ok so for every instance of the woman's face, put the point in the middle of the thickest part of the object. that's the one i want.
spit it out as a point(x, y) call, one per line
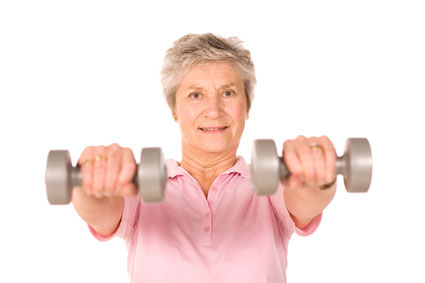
point(211, 107)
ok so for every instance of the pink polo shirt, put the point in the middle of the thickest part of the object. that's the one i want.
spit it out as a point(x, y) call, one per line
point(233, 236)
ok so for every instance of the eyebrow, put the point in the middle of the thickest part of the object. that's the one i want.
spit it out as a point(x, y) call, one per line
point(196, 87)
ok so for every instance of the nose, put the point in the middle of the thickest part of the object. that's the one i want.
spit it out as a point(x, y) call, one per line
point(214, 107)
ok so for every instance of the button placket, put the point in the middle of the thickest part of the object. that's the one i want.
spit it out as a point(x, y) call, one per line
point(207, 229)
point(207, 222)
point(207, 226)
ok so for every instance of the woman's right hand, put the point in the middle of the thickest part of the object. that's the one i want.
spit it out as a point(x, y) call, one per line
point(108, 171)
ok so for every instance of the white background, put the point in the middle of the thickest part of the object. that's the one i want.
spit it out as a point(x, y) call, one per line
point(79, 73)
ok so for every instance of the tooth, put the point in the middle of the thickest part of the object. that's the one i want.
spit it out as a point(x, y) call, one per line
point(214, 129)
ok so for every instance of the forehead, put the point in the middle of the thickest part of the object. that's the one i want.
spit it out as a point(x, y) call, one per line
point(207, 73)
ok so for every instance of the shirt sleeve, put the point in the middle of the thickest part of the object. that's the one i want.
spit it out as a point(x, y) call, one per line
point(128, 221)
point(284, 219)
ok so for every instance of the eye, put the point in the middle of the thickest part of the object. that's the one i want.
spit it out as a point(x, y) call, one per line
point(228, 92)
point(195, 95)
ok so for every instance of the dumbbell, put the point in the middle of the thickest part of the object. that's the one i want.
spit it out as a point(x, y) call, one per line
point(267, 168)
point(61, 177)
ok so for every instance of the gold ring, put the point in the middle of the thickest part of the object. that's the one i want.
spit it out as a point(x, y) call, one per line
point(315, 146)
point(327, 186)
point(99, 157)
point(87, 162)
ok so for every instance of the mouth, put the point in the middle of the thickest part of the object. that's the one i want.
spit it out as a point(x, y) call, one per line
point(213, 129)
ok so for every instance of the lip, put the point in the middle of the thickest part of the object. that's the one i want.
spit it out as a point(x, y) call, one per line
point(213, 130)
point(217, 127)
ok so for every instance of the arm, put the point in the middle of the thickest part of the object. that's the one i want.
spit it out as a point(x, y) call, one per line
point(306, 203)
point(103, 214)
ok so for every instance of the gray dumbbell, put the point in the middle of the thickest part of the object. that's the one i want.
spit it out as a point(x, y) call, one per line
point(267, 168)
point(61, 177)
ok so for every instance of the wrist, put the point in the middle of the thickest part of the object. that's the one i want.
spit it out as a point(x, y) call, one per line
point(301, 223)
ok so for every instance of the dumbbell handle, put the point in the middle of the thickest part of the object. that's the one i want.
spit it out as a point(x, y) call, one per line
point(77, 177)
point(284, 171)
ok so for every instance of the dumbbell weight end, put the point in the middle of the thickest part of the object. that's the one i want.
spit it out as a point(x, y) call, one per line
point(61, 177)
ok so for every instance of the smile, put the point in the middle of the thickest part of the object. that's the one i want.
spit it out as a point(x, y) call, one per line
point(213, 129)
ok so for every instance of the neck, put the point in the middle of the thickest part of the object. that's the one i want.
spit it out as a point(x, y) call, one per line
point(206, 165)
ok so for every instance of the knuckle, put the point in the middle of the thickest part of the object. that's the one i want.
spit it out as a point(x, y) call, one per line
point(113, 151)
point(288, 145)
point(86, 153)
point(326, 141)
point(127, 150)
point(113, 156)
point(88, 149)
point(114, 146)
point(101, 148)
point(132, 165)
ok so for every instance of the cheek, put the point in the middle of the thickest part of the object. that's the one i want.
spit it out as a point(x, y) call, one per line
point(238, 113)
point(187, 117)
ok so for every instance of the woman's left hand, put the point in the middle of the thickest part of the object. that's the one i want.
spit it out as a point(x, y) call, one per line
point(312, 163)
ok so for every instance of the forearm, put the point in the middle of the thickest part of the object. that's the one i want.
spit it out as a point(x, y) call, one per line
point(103, 214)
point(304, 204)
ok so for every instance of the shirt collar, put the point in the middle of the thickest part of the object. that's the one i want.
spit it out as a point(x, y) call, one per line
point(241, 167)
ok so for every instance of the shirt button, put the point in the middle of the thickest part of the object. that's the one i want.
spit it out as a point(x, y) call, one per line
point(207, 215)
point(207, 229)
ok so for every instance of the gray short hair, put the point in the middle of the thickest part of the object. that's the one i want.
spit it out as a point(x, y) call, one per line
point(195, 48)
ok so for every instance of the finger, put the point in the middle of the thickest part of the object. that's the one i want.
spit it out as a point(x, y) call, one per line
point(86, 168)
point(318, 161)
point(294, 181)
point(129, 190)
point(291, 158)
point(330, 158)
point(306, 158)
point(99, 169)
point(112, 168)
point(128, 168)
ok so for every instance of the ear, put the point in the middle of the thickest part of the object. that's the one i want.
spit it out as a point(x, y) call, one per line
point(174, 116)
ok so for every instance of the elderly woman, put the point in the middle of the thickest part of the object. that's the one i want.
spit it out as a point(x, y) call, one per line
point(210, 227)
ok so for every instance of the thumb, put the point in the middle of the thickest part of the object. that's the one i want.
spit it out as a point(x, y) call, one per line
point(294, 181)
point(129, 190)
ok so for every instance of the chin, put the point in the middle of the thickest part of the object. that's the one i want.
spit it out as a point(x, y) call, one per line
point(214, 147)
